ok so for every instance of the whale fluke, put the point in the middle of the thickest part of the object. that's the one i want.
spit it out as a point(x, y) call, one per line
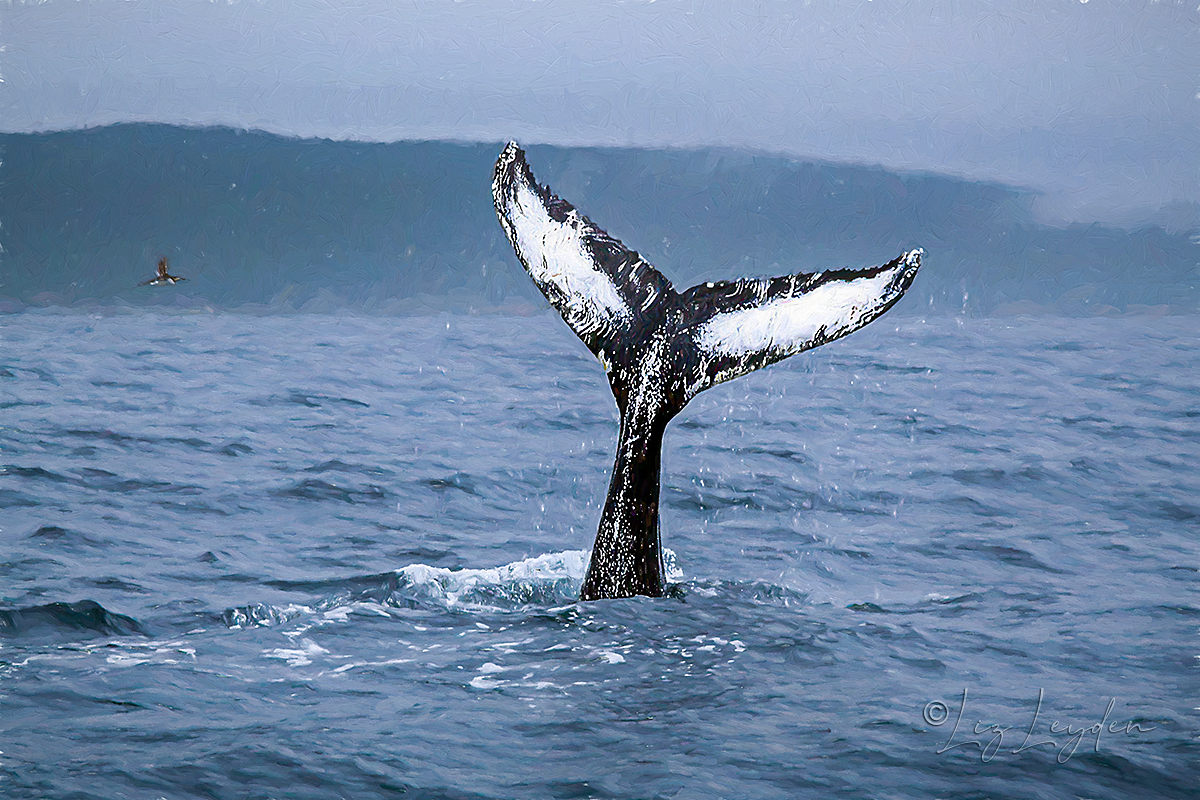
point(661, 348)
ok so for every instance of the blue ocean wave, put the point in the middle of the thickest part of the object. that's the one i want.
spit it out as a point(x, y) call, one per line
point(84, 616)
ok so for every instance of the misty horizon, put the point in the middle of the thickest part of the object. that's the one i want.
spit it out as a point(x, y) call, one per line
point(254, 220)
point(1094, 107)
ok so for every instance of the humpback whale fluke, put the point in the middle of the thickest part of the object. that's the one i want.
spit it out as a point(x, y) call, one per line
point(661, 348)
point(162, 277)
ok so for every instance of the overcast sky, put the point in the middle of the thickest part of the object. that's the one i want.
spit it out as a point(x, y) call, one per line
point(1097, 103)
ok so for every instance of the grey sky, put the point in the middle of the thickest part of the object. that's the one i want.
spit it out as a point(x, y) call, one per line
point(1096, 103)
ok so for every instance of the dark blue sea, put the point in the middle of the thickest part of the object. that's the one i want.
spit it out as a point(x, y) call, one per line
point(318, 556)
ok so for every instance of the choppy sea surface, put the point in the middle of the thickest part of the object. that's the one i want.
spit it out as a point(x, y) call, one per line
point(337, 556)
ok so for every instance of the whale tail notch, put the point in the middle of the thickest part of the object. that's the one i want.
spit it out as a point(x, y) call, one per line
point(661, 348)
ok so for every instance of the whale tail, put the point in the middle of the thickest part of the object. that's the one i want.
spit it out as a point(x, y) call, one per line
point(660, 348)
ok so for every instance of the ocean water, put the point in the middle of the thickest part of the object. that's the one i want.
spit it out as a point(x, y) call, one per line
point(314, 556)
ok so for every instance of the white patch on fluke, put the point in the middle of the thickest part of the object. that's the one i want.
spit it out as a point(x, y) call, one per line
point(790, 323)
point(554, 253)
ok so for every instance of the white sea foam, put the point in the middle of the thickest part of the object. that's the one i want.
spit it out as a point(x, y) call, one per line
point(521, 581)
point(548, 577)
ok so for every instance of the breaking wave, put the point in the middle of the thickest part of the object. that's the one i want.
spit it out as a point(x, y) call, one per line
point(547, 580)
